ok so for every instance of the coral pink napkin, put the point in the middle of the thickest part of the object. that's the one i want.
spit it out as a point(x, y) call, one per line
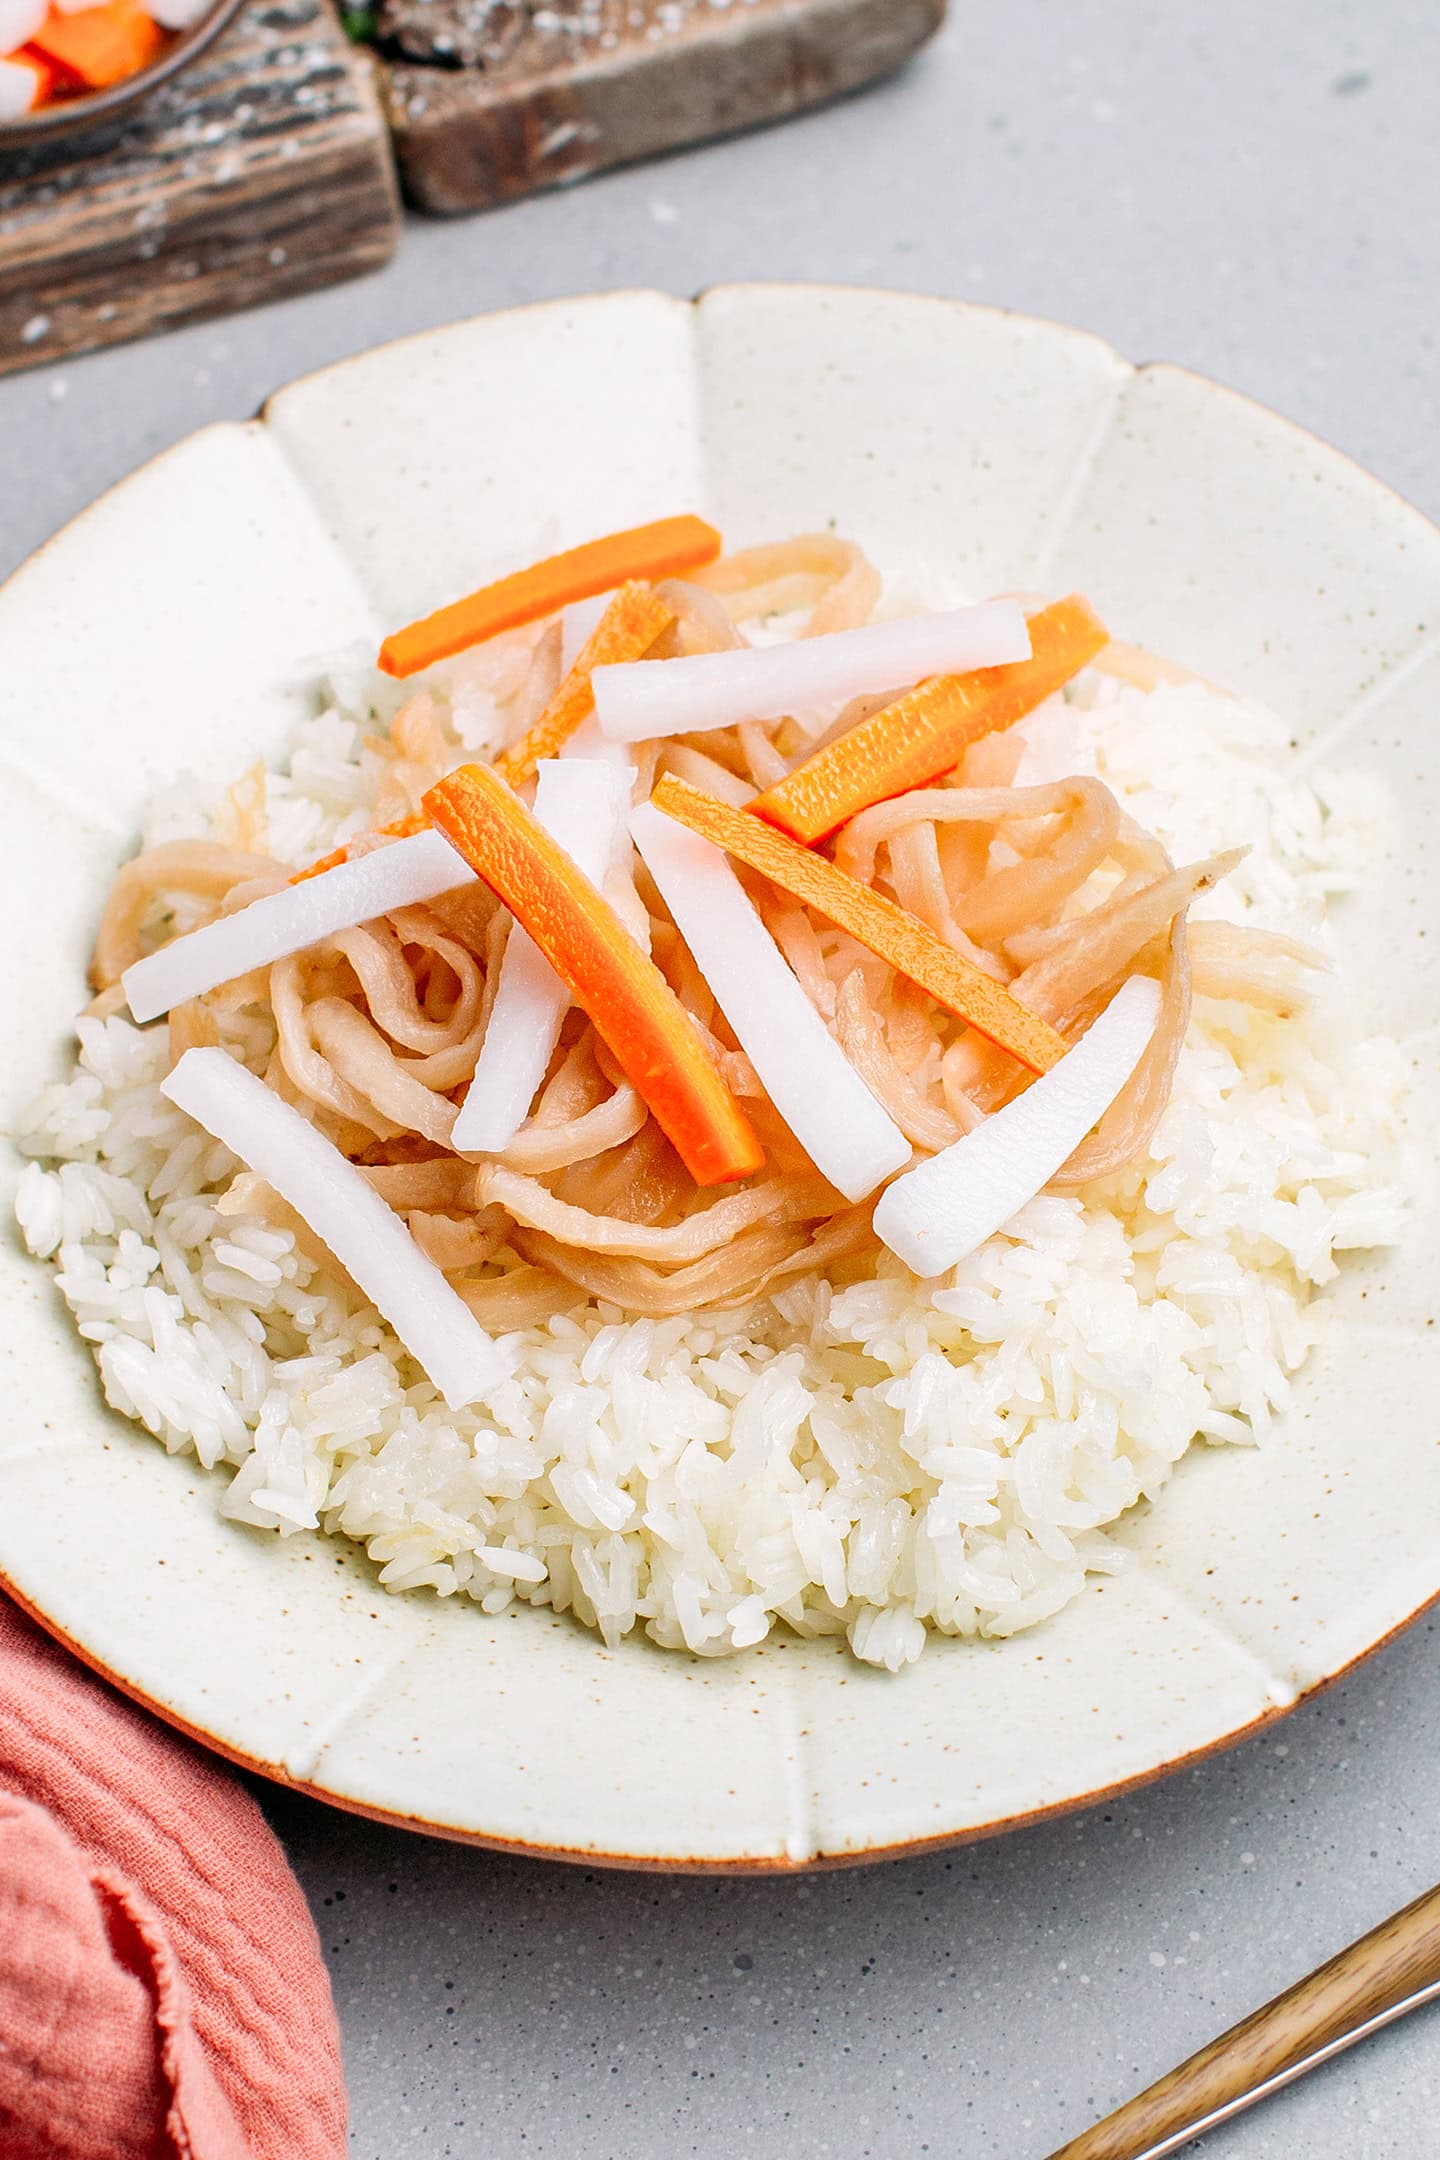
point(162, 1995)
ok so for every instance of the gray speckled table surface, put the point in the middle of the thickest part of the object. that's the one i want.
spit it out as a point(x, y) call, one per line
point(1253, 190)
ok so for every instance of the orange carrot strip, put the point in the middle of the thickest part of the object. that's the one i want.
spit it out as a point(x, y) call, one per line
point(899, 938)
point(100, 45)
point(605, 971)
point(635, 618)
point(398, 829)
point(667, 548)
point(926, 733)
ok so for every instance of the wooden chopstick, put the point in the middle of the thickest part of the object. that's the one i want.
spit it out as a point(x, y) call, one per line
point(1393, 1969)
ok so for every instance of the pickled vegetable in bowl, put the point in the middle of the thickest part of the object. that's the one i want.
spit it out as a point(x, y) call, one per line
point(54, 52)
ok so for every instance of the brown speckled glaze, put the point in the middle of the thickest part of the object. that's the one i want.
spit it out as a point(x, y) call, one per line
point(985, 451)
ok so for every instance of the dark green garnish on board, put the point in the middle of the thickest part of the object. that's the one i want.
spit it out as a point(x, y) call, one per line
point(358, 23)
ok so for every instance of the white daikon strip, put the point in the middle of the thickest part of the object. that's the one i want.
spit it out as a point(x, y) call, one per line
point(19, 20)
point(576, 624)
point(618, 883)
point(400, 874)
point(804, 1071)
point(582, 805)
point(590, 741)
point(640, 699)
point(366, 1237)
point(177, 14)
point(19, 89)
point(946, 1207)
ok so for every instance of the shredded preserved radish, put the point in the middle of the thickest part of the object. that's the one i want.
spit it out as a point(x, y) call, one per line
point(1255, 967)
point(820, 572)
point(1100, 944)
point(863, 1034)
point(754, 1262)
point(374, 1248)
point(199, 869)
point(1127, 1125)
point(1075, 824)
point(774, 1203)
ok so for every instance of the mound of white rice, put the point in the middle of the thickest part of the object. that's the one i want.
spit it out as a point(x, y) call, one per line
point(874, 1462)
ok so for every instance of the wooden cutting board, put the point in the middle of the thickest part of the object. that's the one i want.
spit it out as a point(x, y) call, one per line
point(549, 93)
point(264, 168)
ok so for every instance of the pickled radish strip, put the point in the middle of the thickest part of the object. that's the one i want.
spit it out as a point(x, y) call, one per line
point(400, 875)
point(330, 1195)
point(635, 702)
point(25, 82)
point(177, 14)
point(582, 805)
point(19, 20)
point(944, 1208)
point(802, 1068)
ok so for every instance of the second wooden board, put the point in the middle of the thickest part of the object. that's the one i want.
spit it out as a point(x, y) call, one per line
point(264, 169)
point(490, 99)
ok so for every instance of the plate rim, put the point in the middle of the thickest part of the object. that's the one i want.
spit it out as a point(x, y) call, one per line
point(778, 1862)
point(950, 303)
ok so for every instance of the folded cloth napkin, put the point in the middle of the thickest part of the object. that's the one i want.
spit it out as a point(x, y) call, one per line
point(162, 1994)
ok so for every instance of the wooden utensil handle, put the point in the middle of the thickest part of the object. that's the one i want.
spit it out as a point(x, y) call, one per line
point(1392, 1961)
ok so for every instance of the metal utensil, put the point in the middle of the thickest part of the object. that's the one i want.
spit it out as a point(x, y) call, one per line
point(1386, 1974)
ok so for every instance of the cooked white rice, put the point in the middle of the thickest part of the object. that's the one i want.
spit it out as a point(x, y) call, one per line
point(875, 1462)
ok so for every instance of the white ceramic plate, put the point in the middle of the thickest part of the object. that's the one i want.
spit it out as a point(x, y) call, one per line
point(172, 626)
